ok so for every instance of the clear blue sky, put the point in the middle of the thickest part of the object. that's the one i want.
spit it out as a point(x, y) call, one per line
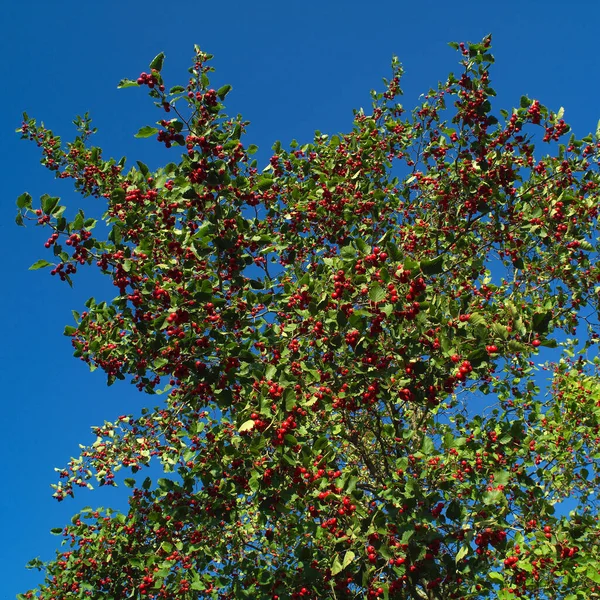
point(295, 67)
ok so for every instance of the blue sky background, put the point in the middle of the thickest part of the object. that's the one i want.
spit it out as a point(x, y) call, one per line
point(295, 67)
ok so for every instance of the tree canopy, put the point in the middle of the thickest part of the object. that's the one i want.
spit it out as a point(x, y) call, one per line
point(340, 351)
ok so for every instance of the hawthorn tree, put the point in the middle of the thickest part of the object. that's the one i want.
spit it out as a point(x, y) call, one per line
point(346, 344)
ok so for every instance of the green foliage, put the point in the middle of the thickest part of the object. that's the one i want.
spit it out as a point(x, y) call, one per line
point(342, 353)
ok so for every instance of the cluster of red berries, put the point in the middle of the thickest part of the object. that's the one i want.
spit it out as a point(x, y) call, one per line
point(62, 272)
point(417, 287)
point(169, 134)
point(352, 338)
point(491, 537)
point(209, 98)
point(511, 561)
point(534, 111)
point(259, 424)
point(340, 284)
point(464, 370)
point(51, 240)
point(151, 80)
point(42, 220)
point(553, 132)
point(287, 425)
point(377, 257)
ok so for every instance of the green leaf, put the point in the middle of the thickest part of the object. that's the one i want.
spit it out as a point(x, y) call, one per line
point(157, 62)
point(129, 482)
point(377, 293)
point(463, 551)
point(264, 183)
point(549, 343)
point(518, 263)
point(223, 91)
point(428, 446)
point(348, 253)
point(39, 264)
point(177, 89)
point(24, 201)
point(501, 477)
point(125, 83)
point(496, 577)
point(433, 266)
point(56, 530)
point(350, 485)
point(541, 321)
point(348, 558)
point(49, 203)
point(592, 573)
point(500, 330)
point(146, 132)
point(477, 319)
point(144, 170)
point(251, 149)
point(336, 567)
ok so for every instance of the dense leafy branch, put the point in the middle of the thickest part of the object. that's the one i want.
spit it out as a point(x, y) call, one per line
point(320, 337)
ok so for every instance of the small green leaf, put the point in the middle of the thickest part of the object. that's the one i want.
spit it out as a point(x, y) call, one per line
point(177, 89)
point(129, 482)
point(56, 530)
point(77, 221)
point(157, 62)
point(144, 170)
point(336, 567)
point(264, 183)
point(49, 203)
point(146, 132)
point(223, 91)
point(377, 293)
point(495, 576)
point(477, 319)
point(464, 550)
point(24, 201)
point(251, 149)
point(592, 573)
point(518, 263)
point(541, 321)
point(348, 253)
point(125, 83)
point(40, 264)
point(348, 558)
point(433, 266)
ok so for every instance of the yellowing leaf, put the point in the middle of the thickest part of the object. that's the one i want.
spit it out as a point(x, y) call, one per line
point(247, 426)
